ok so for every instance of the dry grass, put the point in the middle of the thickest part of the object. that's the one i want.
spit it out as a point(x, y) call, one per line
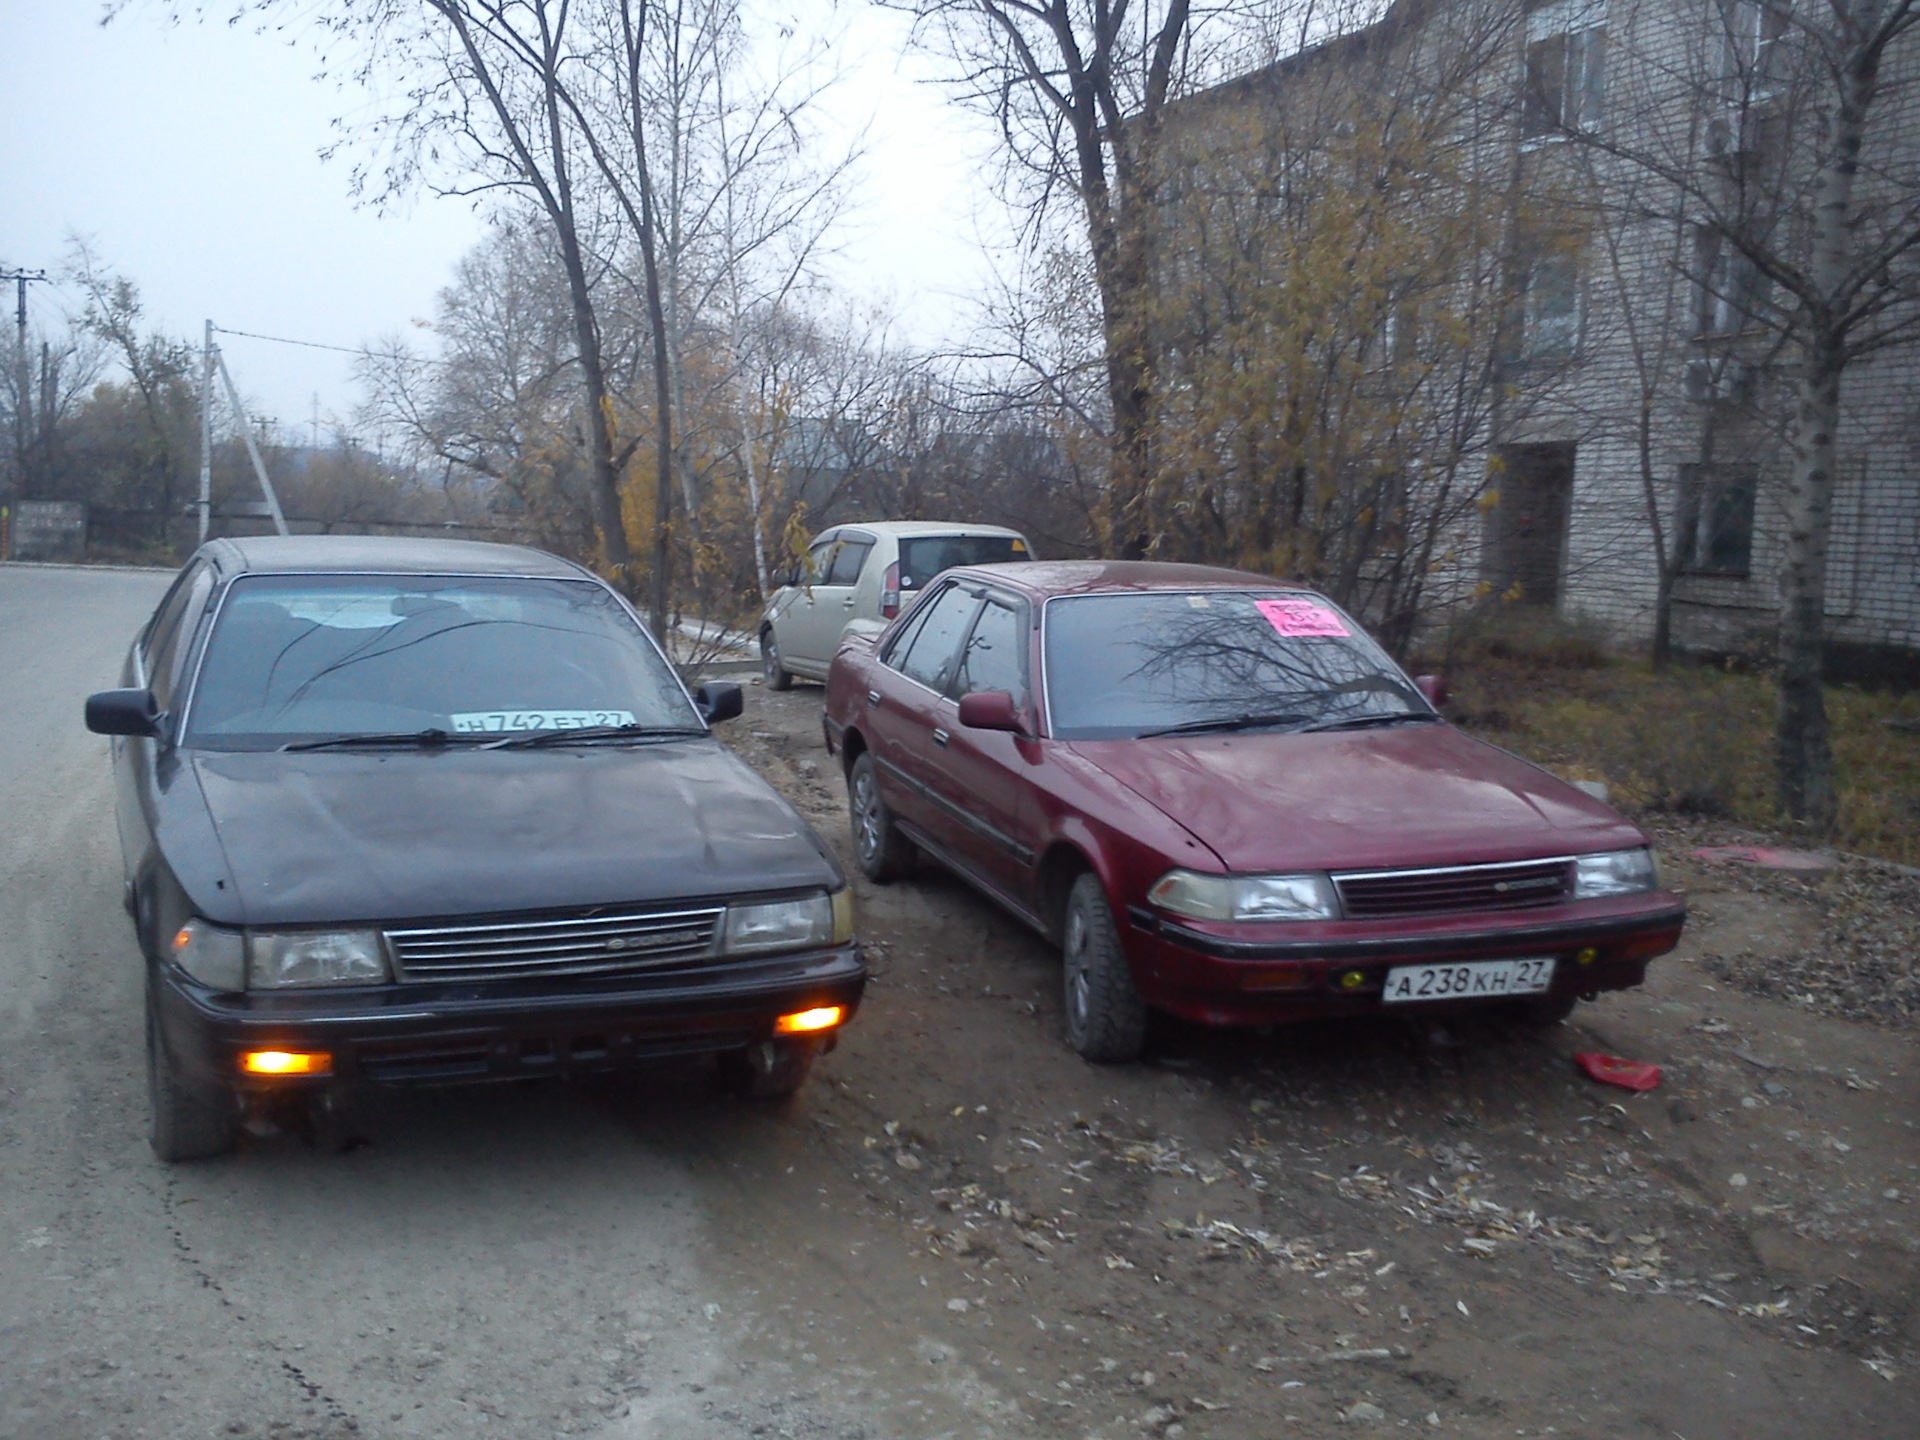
point(1690, 740)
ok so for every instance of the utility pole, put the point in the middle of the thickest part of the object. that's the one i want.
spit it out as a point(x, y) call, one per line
point(205, 505)
point(23, 378)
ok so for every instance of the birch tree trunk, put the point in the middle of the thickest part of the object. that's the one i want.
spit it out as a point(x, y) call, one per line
point(1802, 752)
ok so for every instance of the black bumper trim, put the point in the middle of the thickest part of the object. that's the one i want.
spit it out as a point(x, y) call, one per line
point(1556, 936)
point(451, 1038)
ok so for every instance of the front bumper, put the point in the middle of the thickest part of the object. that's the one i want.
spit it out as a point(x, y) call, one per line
point(1228, 975)
point(465, 1034)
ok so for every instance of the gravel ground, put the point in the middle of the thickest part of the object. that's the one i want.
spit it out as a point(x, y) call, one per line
point(1864, 961)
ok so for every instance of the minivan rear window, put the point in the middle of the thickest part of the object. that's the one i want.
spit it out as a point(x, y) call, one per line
point(925, 556)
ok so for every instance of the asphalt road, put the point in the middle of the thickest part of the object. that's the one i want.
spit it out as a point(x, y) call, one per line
point(519, 1261)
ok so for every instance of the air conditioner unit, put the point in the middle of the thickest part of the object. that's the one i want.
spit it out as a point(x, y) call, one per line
point(1727, 380)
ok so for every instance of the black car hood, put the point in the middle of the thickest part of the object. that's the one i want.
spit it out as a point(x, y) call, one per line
point(341, 836)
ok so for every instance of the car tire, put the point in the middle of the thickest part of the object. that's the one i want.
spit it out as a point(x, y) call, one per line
point(777, 675)
point(883, 852)
point(186, 1121)
point(770, 1070)
point(1106, 1018)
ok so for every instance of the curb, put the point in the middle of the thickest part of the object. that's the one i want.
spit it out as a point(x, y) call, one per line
point(96, 569)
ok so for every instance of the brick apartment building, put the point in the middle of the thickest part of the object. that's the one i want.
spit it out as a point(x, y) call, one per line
point(1619, 288)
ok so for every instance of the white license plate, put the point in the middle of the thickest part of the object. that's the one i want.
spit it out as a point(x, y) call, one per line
point(1473, 980)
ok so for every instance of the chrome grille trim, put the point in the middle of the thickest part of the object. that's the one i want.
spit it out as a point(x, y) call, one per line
point(1509, 885)
point(594, 944)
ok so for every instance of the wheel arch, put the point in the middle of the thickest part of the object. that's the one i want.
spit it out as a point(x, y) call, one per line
point(852, 746)
point(1063, 862)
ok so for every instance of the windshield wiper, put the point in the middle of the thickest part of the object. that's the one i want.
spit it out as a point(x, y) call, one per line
point(432, 735)
point(539, 738)
point(1368, 722)
point(1220, 723)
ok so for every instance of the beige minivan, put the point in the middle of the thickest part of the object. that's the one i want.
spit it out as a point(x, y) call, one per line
point(866, 572)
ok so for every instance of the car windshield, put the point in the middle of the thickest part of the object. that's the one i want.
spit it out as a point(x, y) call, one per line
point(1141, 664)
point(925, 556)
point(307, 657)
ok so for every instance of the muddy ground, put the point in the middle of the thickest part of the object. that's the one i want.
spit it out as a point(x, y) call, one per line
point(1325, 1229)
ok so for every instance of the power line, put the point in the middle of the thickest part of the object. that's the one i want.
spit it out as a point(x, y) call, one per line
point(363, 351)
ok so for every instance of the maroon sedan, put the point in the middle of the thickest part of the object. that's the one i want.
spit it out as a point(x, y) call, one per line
point(1225, 802)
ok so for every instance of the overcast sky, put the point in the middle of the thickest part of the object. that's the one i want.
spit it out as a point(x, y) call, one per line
point(189, 156)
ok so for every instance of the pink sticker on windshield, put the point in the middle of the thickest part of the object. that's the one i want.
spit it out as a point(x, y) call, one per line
point(1298, 619)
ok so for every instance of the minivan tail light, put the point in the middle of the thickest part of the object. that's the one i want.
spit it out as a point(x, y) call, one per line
point(890, 592)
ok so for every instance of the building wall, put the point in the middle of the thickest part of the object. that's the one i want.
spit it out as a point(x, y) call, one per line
point(1873, 595)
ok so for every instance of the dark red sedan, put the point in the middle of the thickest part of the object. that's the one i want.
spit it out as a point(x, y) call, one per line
point(1225, 802)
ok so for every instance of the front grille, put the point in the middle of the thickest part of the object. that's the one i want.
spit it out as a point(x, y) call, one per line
point(592, 944)
point(1386, 894)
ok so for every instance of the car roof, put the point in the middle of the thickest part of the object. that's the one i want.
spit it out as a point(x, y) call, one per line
point(912, 529)
point(382, 555)
point(1045, 579)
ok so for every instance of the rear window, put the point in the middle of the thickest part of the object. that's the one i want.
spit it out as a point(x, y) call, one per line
point(924, 557)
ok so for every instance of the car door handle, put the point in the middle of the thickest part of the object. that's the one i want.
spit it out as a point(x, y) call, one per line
point(873, 699)
point(847, 604)
point(940, 737)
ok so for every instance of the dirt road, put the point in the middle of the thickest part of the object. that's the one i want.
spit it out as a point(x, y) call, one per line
point(1258, 1235)
point(959, 1229)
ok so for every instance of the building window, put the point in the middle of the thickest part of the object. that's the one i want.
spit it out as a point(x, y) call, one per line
point(1552, 314)
point(1755, 32)
point(1729, 292)
point(1716, 518)
point(1566, 68)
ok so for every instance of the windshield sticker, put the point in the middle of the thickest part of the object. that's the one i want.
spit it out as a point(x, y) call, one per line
point(1301, 619)
point(1019, 547)
point(511, 722)
point(1199, 602)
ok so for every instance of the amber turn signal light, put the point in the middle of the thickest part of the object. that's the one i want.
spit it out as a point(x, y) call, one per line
point(802, 1022)
point(286, 1062)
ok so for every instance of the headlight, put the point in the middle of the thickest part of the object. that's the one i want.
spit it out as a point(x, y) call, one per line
point(780, 925)
point(1613, 872)
point(1245, 897)
point(339, 957)
point(211, 955)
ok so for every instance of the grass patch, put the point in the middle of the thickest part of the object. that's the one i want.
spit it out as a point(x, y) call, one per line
point(1692, 741)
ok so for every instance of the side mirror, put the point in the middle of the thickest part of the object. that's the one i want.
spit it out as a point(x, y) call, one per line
point(123, 712)
point(1434, 687)
point(989, 710)
point(718, 700)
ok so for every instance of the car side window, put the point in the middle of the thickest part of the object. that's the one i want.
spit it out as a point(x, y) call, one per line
point(931, 655)
point(896, 648)
point(995, 654)
point(813, 571)
point(847, 562)
point(173, 640)
point(166, 618)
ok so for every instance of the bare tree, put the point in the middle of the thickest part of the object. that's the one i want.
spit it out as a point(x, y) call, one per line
point(1078, 90)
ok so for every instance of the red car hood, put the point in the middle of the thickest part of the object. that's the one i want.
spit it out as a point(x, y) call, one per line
point(1410, 796)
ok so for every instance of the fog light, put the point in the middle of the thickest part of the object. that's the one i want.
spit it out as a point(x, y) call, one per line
point(1352, 980)
point(286, 1062)
point(802, 1022)
point(1587, 956)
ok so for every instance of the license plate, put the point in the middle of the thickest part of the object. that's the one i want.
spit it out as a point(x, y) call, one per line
point(1474, 980)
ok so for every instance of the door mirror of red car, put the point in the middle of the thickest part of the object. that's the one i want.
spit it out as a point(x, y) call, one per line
point(718, 700)
point(989, 710)
point(123, 712)
point(1434, 687)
